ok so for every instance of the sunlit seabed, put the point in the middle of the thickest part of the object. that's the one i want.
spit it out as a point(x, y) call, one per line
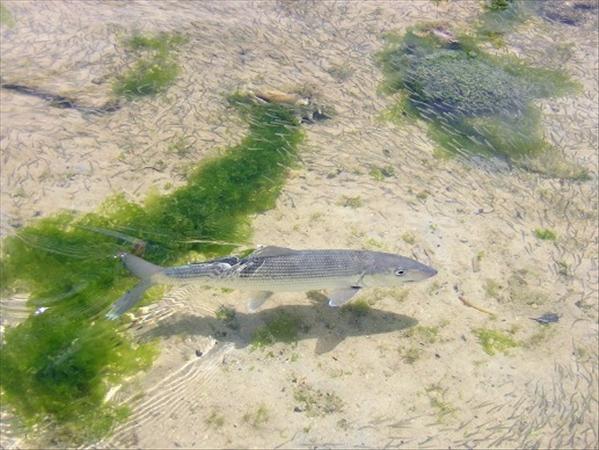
point(191, 114)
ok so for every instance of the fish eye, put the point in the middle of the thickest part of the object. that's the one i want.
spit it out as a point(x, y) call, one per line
point(400, 272)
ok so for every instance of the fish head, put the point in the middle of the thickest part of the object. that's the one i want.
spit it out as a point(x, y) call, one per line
point(394, 270)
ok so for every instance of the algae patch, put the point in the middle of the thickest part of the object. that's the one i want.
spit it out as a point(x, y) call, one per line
point(502, 16)
point(215, 420)
point(282, 328)
point(228, 316)
point(6, 17)
point(473, 102)
point(437, 398)
point(56, 368)
point(493, 341)
point(351, 202)
point(155, 69)
point(545, 234)
point(258, 417)
point(358, 308)
point(316, 402)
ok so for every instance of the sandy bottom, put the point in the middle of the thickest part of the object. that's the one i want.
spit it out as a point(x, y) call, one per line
point(377, 380)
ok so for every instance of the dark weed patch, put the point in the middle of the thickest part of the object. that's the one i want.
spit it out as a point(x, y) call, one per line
point(475, 103)
point(57, 367)
point(156, 67)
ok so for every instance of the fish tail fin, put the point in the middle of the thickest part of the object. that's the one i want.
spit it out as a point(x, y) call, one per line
point(141, 269)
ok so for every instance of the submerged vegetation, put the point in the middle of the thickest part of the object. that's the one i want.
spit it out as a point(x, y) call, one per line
point(473, 102)
point(545, 234)
point(380, 173)
point(493, 341)
point(315, 402)
point(501, 16)
point(258, 417)
point(57, 366)
point(358, 308)
point(156, 67)
point(6, 17)
point(282, 328)
point(437, 398)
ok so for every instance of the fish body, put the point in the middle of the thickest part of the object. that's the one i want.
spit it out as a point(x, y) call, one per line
point(276, 269)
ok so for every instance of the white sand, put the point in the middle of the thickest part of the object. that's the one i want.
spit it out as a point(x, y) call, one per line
point(543, 393)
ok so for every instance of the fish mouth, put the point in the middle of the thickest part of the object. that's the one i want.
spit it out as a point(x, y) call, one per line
point(428, 272)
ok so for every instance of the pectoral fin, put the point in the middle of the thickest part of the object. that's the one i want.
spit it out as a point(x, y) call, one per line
point(341, 296)
point(258, 300)
point(127, 301)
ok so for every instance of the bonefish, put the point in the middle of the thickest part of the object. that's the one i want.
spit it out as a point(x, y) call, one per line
point(275, 269)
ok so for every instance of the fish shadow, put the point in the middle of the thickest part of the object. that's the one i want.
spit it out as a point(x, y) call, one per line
point(329, 326)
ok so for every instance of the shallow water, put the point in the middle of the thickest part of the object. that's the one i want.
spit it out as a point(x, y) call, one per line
point(413, 367)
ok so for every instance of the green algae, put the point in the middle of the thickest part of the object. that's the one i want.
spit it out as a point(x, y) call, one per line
point(503, 16)
point(282, 328)
point(161, 42)
point(427, 335)
point(411, 355)
point(358, 308)
point(315, 402)
point(499, 5)
point(473, 102)
point(351, 202)
point(409, 238)
point(545, 234)
point(500, 17)
point(6, 17)
point(57, 367)
point(493, 341)
point(215, 420)
point(258, 417)
point(155, 69)
point(437, 398)
point(380, 173)
point(228, 316)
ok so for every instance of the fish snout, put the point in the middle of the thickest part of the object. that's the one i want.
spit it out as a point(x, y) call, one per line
point(424, 272)
point(430, 272)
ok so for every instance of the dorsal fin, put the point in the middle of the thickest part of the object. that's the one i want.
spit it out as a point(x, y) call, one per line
point(271, 250)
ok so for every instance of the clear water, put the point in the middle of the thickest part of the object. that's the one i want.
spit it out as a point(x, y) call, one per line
point(461, 134)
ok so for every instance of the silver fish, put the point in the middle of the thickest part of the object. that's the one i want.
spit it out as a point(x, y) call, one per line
point(276, 269)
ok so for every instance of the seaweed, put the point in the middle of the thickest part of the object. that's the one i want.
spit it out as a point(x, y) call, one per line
point(257, 418)
point(155, 69)
point(56, 367)
point(282, 328)
point(500, 17)
point(473, 102)
point(315, 402)
point(437, 398)
point(380, 173)
point(215, 420)
point(545, 234)
point(6, 17)
point(493, 341)
point(358, 308)
point(351, 202)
